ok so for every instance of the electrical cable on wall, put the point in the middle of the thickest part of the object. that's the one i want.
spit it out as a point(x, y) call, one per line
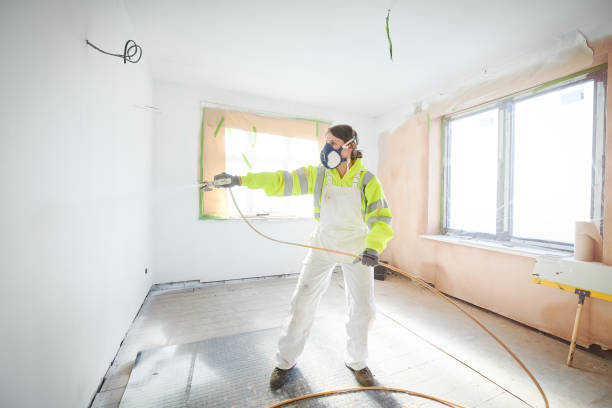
point(130, 51)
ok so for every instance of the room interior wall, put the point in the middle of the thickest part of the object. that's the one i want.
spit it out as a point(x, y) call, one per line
point(186, 248)
point(410, 171)
point(75, 207)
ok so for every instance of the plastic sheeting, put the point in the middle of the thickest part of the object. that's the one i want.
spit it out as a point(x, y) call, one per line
point(213, 204)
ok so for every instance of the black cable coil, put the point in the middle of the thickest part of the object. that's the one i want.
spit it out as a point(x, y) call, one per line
point(130, 51)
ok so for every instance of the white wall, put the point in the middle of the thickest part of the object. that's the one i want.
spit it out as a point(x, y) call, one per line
point(186, 248)
point(75, 179)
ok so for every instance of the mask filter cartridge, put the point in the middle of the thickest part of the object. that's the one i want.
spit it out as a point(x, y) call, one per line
point(330, 157)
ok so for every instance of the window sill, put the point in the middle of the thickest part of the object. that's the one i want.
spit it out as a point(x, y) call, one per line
point(525, 251)
point(250, 218)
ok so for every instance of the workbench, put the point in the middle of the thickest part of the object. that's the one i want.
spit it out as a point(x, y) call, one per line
point(585, 279)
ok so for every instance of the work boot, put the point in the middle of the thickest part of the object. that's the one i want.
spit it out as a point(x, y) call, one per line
point(363, 376)
point(279, 377)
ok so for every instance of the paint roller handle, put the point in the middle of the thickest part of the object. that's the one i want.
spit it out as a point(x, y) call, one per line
point(225, 180)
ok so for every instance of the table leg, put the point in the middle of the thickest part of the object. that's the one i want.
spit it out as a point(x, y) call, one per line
point(582, 294)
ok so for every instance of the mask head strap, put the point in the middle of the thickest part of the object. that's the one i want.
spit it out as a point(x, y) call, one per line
point(353, 139)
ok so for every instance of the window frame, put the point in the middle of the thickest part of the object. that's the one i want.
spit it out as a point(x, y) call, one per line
point(505, 167)
point(264, 214)
point(212, 205)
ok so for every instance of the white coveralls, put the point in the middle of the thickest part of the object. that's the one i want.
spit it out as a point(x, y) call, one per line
point(341, 227)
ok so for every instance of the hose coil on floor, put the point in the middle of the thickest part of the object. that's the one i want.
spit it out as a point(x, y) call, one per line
point(425, 285)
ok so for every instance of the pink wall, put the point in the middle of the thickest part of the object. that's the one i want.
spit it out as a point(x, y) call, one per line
point(410, 172)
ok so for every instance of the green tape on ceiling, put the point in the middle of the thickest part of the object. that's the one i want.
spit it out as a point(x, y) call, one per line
point(254, 136)
point(219, 125)
point(317, 129)
point(247, 161)
point(389, 36)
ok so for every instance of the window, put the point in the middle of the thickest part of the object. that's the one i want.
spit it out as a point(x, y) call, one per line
point(524, 169)
point(257, 152)
point(474, 183)
point(239, 142)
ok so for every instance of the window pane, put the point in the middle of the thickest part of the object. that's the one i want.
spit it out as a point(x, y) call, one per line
point(473, 172)
point(552, 163)
point(267, 153)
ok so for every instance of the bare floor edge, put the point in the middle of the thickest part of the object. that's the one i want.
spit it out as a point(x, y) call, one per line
point(191, 315)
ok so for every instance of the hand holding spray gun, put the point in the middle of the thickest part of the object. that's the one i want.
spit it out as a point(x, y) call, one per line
point(222, 180)
point(370, 258)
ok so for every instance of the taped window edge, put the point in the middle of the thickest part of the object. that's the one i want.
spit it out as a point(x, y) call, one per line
point(531, 91)
point(212, 141)
point(597, 73)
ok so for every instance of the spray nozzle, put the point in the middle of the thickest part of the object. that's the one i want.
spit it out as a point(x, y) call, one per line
point(206, 185)
point(217, 183)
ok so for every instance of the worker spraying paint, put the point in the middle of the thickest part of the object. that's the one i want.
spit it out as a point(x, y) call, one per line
point(331, 159)
point(353, 216)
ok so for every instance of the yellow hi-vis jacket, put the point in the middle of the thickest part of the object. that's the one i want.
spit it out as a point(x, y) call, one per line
point(311, 179)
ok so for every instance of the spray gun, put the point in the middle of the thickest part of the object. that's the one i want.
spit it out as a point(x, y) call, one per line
point(222, 180)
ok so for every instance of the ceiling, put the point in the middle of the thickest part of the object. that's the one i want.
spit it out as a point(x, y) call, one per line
point(334, 54)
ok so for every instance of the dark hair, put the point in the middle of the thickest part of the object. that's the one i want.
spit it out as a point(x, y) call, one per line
point(346, 133)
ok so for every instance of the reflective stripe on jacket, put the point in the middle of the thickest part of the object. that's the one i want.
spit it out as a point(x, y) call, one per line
point(311, 179)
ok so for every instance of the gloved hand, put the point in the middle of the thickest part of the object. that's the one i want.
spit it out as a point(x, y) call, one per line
point(369, 257)
point(235, 180)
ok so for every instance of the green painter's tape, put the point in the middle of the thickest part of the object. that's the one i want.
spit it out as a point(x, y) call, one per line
point(428, 123)
point(201, 203)
point(212, 217)
point(530, 90)
point(443, 152)
point(202, 146)
point(389, 36)
point(246, 161)
point(567, 77)
point(219, 125)
point(203, 216)
point(254, 137)
point(317, 129)
point(312, 120)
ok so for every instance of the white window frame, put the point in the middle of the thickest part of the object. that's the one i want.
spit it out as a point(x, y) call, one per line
point(506, 106)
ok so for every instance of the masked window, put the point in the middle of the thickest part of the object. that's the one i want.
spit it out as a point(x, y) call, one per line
point(246, 152)
point(240, 142)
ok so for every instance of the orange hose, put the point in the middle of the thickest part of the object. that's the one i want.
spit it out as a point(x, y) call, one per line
point(422, 283)
point(376, 388)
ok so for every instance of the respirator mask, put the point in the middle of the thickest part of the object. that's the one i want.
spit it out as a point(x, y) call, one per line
point(331, 158)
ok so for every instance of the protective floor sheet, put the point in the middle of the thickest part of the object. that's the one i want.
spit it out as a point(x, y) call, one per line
point(234, 372)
